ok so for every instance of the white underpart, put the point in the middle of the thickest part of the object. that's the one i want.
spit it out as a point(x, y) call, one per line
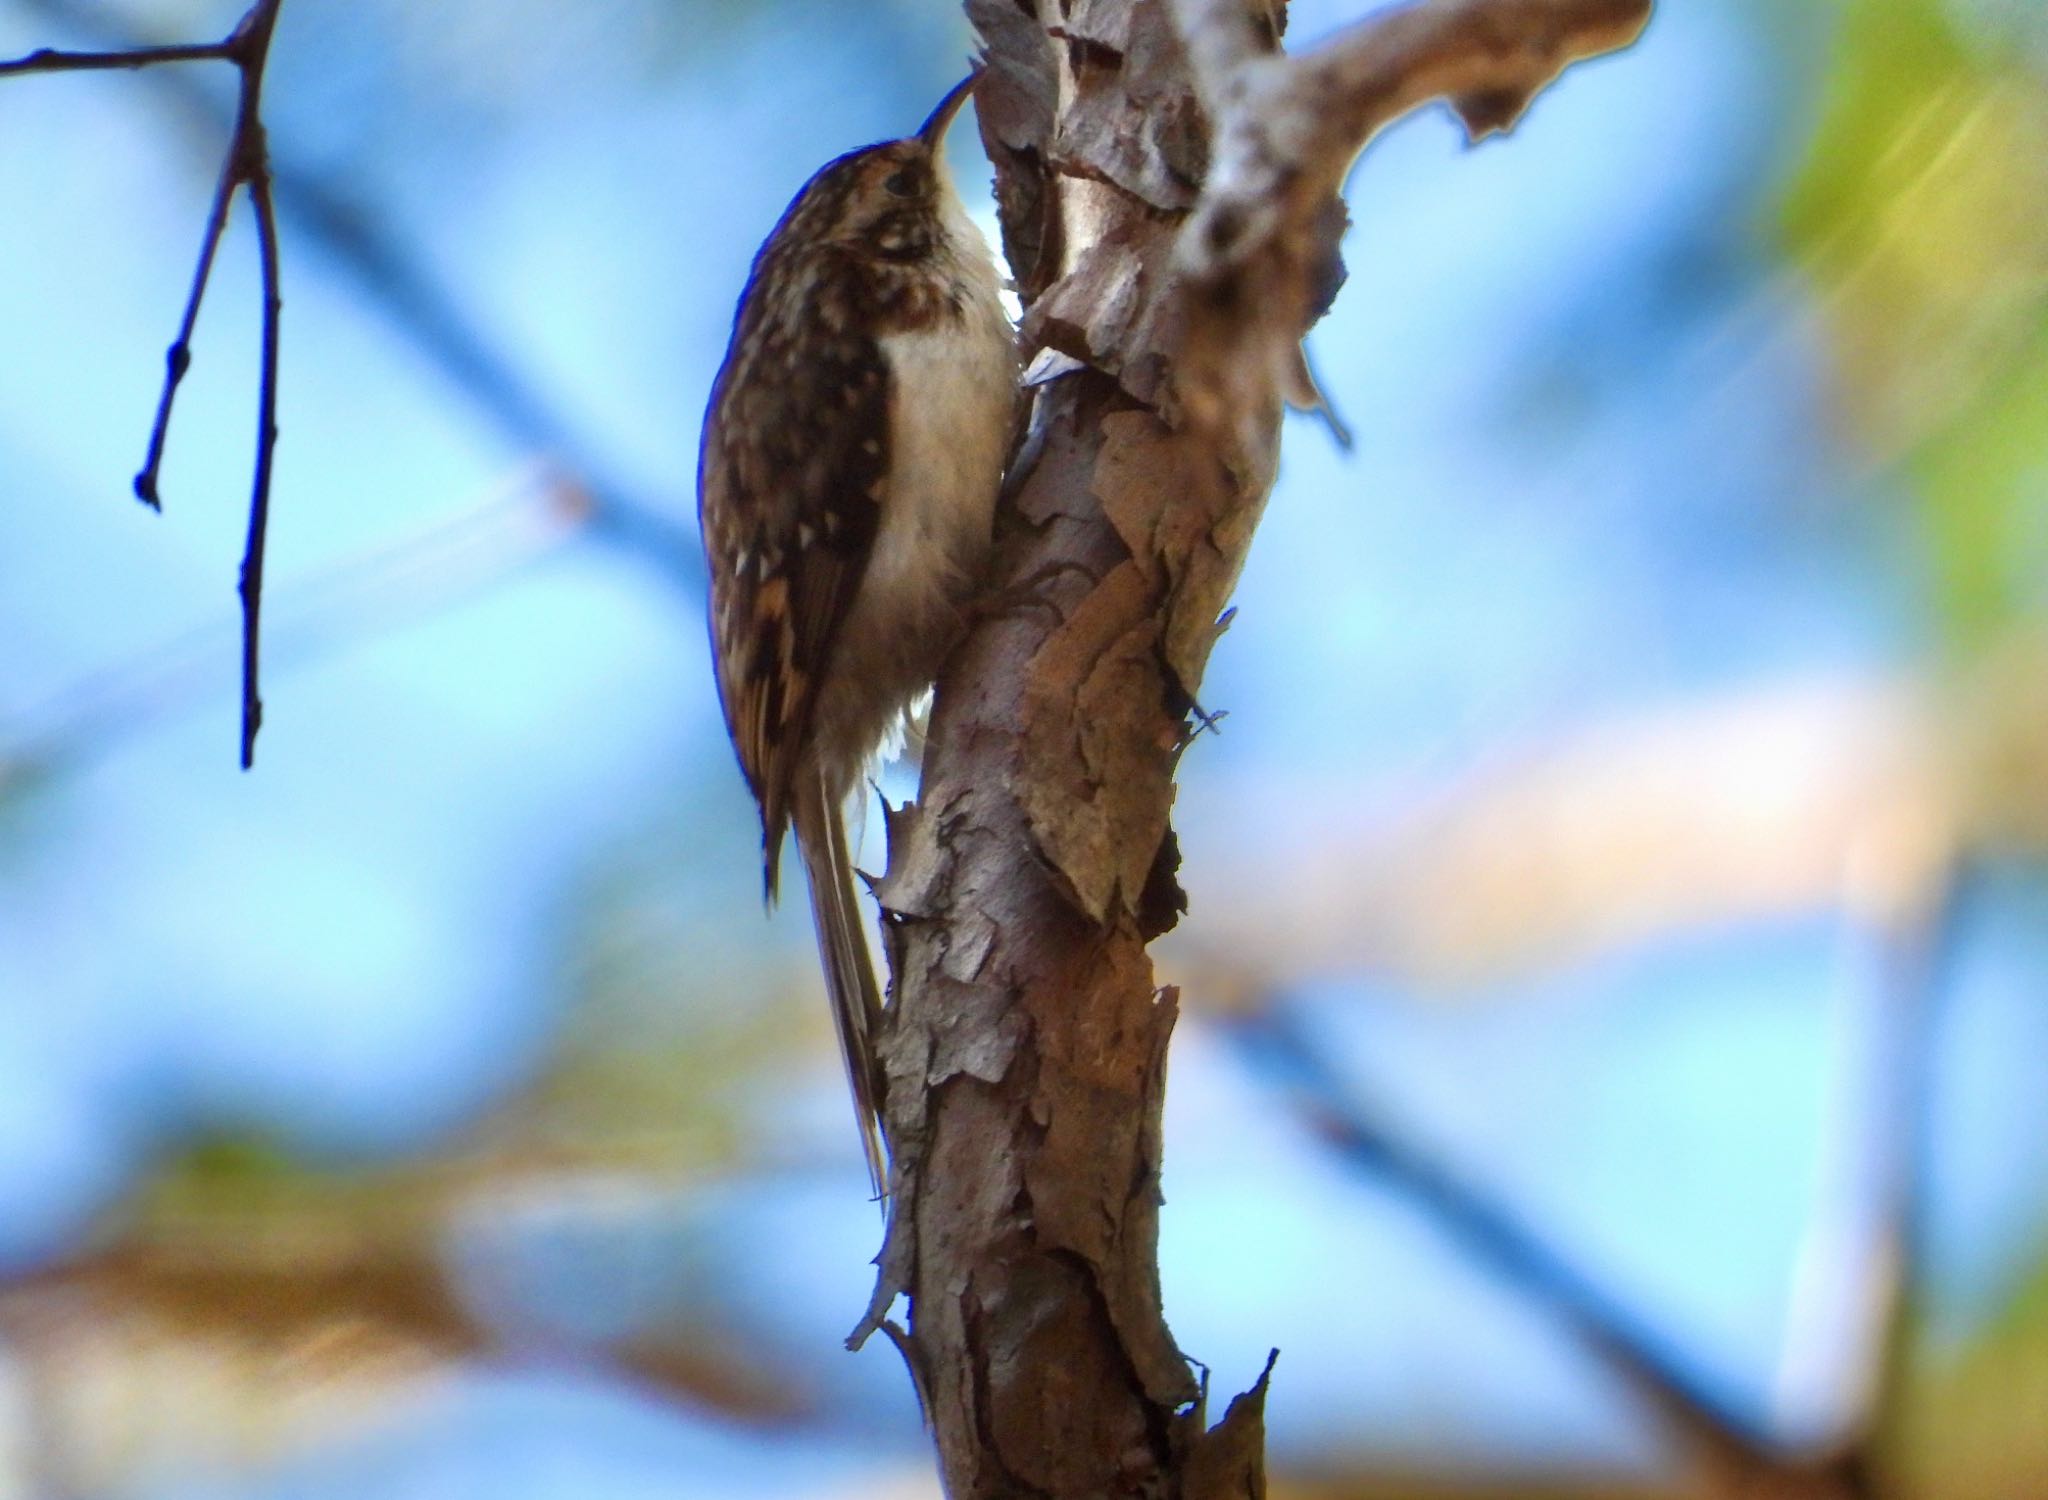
point(947, 433)
point(949, 417)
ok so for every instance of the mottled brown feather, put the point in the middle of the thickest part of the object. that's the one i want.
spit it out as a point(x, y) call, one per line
point(796, 448)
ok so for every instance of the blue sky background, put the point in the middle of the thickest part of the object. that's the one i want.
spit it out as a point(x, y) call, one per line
point(1597, 470)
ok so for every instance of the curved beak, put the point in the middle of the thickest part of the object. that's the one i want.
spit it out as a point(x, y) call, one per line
point(933, 131)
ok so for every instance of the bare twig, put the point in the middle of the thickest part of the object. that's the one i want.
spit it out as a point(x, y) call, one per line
point(246, 165)
point(266, 448)
point(57, 60)
point(179, 358)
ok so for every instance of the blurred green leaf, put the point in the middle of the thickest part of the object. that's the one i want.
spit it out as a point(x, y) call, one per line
point(1984, 482)
point(1976, 1424)
point(228, 1161)
point(1920, 216)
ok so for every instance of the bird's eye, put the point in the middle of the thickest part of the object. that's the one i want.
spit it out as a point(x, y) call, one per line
point(901, 183)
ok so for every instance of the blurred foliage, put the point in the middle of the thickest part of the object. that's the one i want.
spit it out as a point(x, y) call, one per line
point(672, 1032)
point(1997, 715)
point(1921, 214)
point(1976, 1420)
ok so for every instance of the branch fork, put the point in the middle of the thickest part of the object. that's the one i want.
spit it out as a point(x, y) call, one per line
point(1260, 249)
point(246, 165)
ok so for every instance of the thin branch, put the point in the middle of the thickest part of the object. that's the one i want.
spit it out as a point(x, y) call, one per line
point(266, 448)
point(249, 161)
point(1481, 1225)
point(179, 358)
point(57, 60)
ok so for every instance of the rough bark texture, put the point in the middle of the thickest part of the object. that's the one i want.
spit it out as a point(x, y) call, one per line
point(1025, 1052)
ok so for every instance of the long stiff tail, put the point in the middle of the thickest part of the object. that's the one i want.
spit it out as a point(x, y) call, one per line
point(843, 951)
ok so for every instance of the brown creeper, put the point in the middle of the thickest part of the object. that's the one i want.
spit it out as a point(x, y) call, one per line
point(846, 489)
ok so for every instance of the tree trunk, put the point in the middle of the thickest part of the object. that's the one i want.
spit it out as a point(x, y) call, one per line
point(1167, 183)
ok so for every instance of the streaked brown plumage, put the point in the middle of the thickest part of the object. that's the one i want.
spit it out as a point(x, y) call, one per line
point(846, 489)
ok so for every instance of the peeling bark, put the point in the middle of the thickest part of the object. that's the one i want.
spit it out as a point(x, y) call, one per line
point(1025, 1052)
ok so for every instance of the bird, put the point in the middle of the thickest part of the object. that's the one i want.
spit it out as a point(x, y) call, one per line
point(851, 457)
